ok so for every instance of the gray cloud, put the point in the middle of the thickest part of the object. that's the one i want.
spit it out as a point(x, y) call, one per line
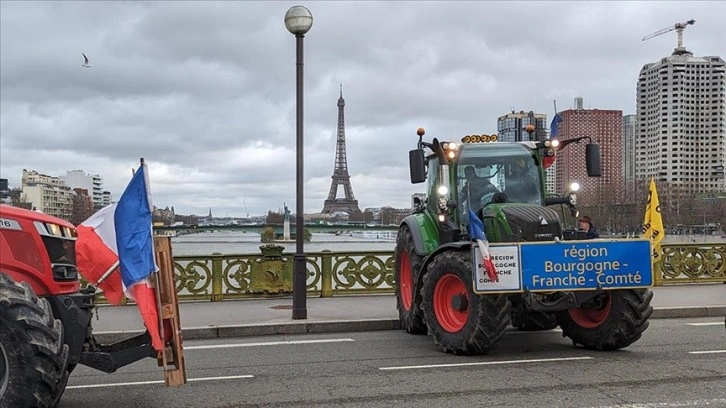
point(205, 91)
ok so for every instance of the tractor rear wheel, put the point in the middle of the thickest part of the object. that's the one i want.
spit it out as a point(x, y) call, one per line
point(406, 266)
point(33, 358)
point(459, 320)
point(613, 320)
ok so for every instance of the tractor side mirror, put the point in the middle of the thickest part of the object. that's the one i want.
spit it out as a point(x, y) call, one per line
point(592, 159)
point(417, 165)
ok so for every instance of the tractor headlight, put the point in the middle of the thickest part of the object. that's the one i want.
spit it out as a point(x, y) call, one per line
point(573, 199)
point(443, 190)
point(574, 186)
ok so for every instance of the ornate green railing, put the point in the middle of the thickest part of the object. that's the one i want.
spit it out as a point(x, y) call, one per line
point(217, 277)
point(691, 263)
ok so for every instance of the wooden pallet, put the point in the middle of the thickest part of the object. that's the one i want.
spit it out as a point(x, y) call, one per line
point(172, 358)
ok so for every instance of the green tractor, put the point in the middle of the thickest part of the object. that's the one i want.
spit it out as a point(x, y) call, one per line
point(465, 292)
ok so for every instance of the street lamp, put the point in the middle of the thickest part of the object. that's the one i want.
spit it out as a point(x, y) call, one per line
point(298, 21)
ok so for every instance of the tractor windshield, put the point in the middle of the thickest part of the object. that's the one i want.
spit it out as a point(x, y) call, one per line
point(497, 173)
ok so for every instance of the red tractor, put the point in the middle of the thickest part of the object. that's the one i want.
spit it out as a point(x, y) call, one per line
point(45, 316)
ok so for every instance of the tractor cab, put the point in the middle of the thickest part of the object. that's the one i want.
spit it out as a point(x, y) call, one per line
point(499, 173)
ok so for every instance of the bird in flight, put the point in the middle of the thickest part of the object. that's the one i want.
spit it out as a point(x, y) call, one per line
point(85, 62)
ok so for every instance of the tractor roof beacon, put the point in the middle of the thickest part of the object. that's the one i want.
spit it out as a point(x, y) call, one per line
point(444, 287)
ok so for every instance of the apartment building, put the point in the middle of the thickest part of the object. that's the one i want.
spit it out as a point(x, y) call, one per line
point(512, 127)
point(629, 129)
point(604, 127)
point(681, 127)
point(93, 183)
point(47, 194)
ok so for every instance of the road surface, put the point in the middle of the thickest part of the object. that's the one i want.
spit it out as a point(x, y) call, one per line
point(677, 363)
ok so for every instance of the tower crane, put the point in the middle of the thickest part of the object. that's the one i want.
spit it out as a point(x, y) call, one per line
point(679, 27)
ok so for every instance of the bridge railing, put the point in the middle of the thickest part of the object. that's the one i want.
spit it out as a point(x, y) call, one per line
point(218, 277)
point(691, 263)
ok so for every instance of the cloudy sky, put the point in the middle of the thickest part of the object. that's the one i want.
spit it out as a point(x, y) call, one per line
point(205, 91)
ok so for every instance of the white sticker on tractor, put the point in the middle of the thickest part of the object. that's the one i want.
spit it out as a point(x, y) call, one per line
point(506, 263)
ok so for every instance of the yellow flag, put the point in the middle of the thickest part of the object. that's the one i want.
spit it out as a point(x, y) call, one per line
point(653, 223)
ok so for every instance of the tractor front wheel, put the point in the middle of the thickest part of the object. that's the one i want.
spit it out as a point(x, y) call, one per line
point(613, 320)
point(459, 320)
point(33, 358)
point(407, 265)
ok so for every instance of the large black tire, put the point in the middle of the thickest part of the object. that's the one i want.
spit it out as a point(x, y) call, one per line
point(407, 266)
point(31, 341)
point(616, 320)
point(460, 321)
point(531, 320)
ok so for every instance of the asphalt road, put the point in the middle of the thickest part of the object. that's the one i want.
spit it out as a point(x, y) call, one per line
point(677, 363)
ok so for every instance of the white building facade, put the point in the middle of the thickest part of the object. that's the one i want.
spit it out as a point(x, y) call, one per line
point(630, 123)
point(91, 182)
point(680, 136)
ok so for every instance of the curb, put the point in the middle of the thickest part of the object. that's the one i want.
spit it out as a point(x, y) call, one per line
point(340, 326)
point(690, 311)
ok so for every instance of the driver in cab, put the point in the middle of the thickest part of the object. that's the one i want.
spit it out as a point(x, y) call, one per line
point(476, 188)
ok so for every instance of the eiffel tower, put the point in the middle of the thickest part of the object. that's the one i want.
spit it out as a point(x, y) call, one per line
point(340, 174)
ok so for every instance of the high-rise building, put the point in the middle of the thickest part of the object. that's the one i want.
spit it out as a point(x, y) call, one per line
point(605, 129)
point(551, 179)
point(93, 183)
point(681, 130)
point(629, 127)
point(512, 127)
point(106, 199)
point(47, 194)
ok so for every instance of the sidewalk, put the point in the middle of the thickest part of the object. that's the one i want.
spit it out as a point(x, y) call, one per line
point(255, 317)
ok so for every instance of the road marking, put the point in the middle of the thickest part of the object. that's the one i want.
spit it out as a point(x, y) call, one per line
point(538, 360)
point(269, 343)
point(705, 324)
point(707, 352)
point(126, 384)
point(694, 403)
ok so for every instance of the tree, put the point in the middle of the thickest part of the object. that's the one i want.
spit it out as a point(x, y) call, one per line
point(274, 217)
point(268, 234)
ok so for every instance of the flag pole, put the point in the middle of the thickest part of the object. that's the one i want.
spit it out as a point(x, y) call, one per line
point(108, 273)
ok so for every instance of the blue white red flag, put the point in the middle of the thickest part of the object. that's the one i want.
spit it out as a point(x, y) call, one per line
point(476, 232)
point(120, 236)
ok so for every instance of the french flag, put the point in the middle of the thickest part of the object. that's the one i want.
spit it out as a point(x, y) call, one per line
point(554, 132)
point(118, 240)
point(476, 231)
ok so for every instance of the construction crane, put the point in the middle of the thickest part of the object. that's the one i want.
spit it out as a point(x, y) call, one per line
point(679, 27)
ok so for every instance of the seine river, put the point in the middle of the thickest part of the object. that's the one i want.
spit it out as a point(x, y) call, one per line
point(237, 242)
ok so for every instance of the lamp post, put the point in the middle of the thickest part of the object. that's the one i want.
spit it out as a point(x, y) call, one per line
point(298, 21)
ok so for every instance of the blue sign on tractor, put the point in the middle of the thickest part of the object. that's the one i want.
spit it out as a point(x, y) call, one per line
point(586, 265)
